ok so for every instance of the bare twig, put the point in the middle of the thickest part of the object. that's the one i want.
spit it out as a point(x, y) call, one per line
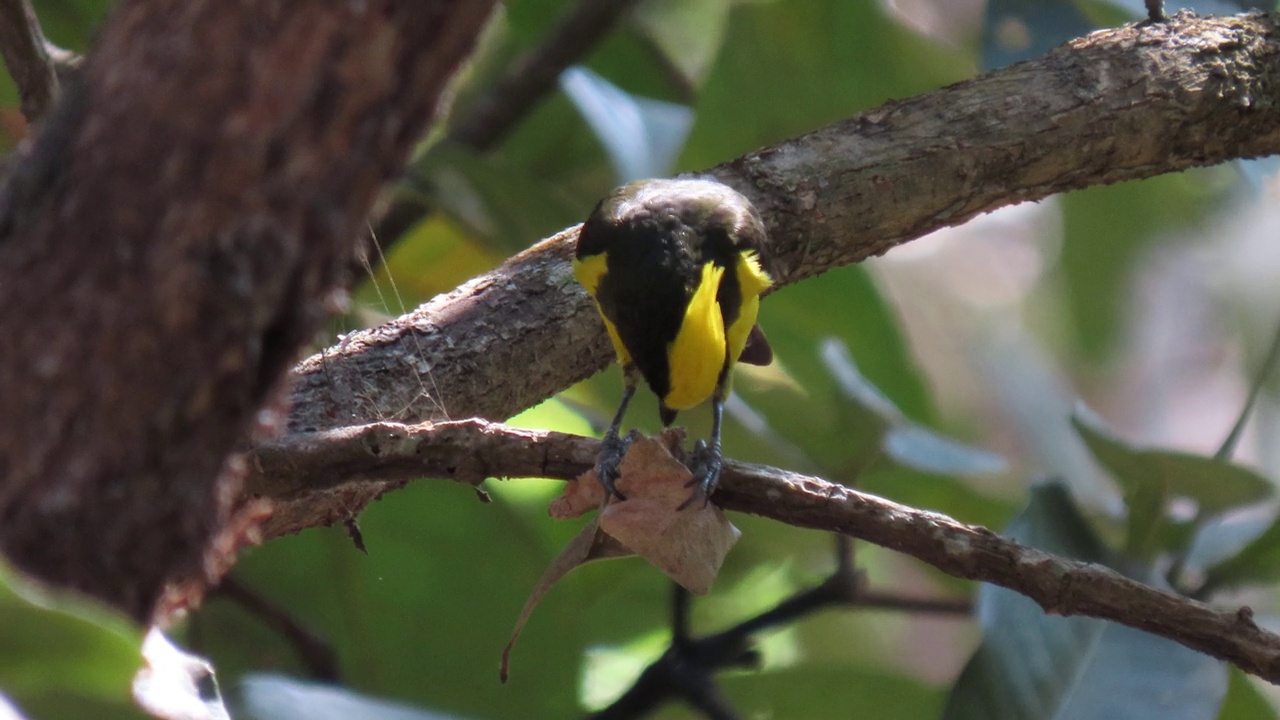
point(26, 54)
point(488, 119)
point(1155, 10)
point(313, 651)
point(883, 600)
point(686, 671)
point(467, 451)
point(533, 75)
point(1265, 370)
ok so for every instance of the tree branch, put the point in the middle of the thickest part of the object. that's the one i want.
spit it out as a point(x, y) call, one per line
point(533, 75)
point(469, 450)
point(313, 652)
point(487, 119)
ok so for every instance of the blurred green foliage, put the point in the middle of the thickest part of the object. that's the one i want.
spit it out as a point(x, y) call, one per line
point(423, 617)
point(63, 657)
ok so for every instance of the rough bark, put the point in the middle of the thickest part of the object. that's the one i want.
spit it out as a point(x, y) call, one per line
point(169, 245)
point(1120, 104)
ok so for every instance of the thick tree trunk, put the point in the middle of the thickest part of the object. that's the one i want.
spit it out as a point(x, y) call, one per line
point(169, 245)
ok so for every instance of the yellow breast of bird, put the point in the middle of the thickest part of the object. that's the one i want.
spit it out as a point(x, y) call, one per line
point(697, 355)
point(704, 347)
point(753, 280)
point(590, 271)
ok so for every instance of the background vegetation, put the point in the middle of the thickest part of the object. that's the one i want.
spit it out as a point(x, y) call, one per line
point(1151, 303)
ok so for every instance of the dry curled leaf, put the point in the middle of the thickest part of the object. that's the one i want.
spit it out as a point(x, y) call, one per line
point(589, 544)
point(580, 496)
point(688, 545)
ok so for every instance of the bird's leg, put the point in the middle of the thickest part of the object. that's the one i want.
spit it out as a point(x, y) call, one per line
point(1155, 11)
point(613, 447)
point(707, 458)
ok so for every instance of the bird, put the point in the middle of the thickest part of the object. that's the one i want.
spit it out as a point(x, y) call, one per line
point(675, 268)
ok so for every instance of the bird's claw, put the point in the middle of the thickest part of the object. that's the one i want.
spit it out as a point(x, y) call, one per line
point(612, 450)
point(707, 461)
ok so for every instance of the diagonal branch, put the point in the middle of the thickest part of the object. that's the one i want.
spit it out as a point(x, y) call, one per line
point(533, 75)
point(489, 118)
point(468, 451)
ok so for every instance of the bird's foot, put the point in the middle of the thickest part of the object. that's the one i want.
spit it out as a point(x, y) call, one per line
point(707, 461)
point(612, 450)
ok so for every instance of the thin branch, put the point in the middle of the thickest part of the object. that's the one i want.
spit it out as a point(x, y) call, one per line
point(388, 454)
point(488, 119)
point(1264, 371)
point(882, 600)
point(533, 75)
point(26, 54)
point(686, 671)
point(313, 651)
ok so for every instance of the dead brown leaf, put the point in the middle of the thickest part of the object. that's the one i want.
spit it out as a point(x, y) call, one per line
point(688, 545)
point(589, 544)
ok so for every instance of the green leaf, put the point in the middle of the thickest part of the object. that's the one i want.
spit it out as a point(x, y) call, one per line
point(878, 420)
point(688, 32)
point(790, 67)
point(1031, 665)
point(826, 692)
point(641, 135)
point(1258, 563)
point(1244, 700)
point(1052, 522)
point(64, 656)
point(1221, 538)
point(1150, 478)
point(1030, 388)
point(498, 202)
point(801, 398)
point(1109, 230)
point(867, 414)
point(435, 256)
point(922, 449)
point(276, 697)
point(370, 608)
point(1085, 669)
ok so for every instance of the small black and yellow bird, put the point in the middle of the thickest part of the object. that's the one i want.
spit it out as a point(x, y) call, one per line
point(675, 269)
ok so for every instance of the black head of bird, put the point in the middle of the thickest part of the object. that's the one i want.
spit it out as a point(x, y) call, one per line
point(675, 269)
